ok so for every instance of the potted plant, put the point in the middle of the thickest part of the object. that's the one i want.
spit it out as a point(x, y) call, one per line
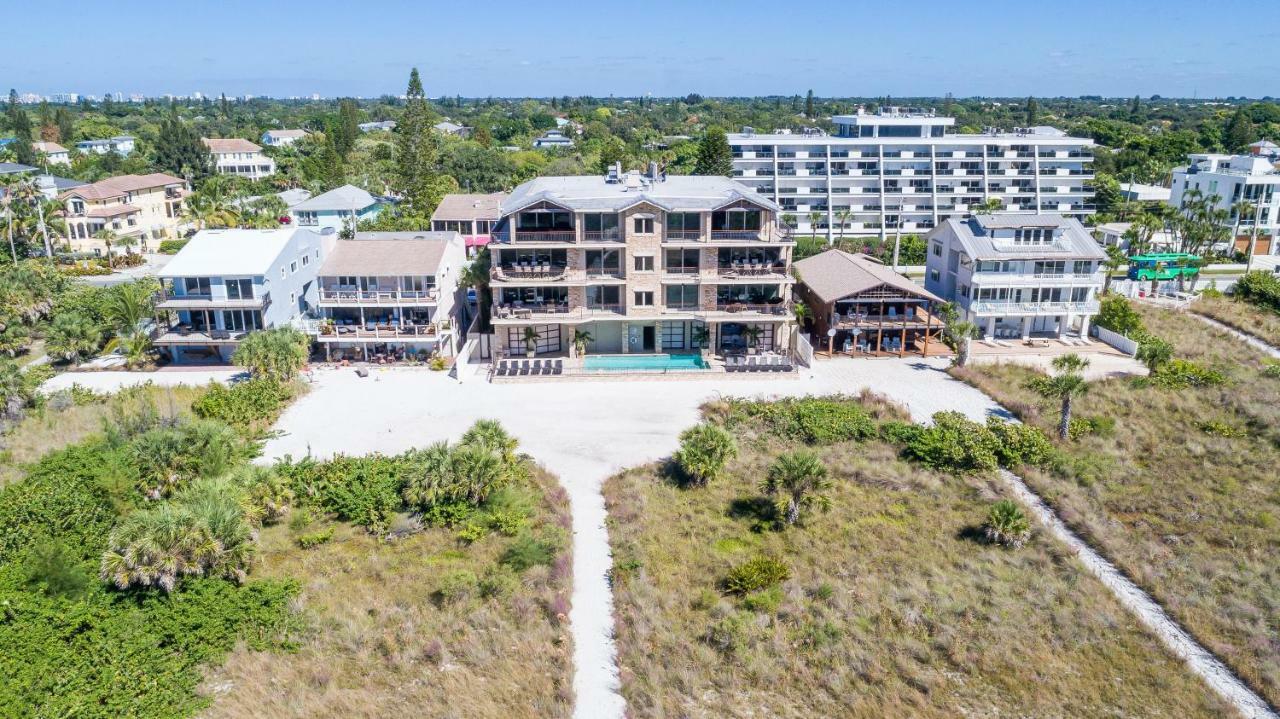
point(701, 336)
point(580, 341)
point(530, 342)
point(326, 327)
point(752, 334)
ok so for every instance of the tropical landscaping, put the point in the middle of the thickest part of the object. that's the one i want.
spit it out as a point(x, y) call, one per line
point(825, 556)
point(1173, 477)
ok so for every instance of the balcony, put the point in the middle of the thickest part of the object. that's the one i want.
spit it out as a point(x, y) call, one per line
point(339, 297)
point(1033, 308)
point(752, 270)
point(551, 272)
point(169, 301)
point(183, 334)
point(554, 311)
point(738, 236)
point(331, 332)
point(613, 235)
point(778, 309)
point(531, 236)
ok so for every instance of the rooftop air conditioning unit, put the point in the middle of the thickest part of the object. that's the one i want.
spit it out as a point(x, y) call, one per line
point(748, 130)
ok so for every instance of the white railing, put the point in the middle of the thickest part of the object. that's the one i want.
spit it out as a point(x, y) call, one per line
point(1115, 339)
point(1034, 307)
point(377, 296)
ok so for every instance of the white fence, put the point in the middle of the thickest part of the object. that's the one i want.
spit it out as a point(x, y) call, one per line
point(804, 350)
point(1115, 339)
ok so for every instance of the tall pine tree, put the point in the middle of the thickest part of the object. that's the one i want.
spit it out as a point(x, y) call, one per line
point(808, 106)
point(1033, 109)
point(178, 148)
point(714, 155)
point(1239, 132)
point(418, 148)
point(347, 128)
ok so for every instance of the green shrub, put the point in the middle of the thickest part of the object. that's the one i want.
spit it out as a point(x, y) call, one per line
point(1260, 288)
point(704, 452)
point(900, 433)
point(1116, 313)
point(955, 443)
point(315, 539)
point(247, 406)
point(457, 586)
point(1271, 369)
point(450, 514)
point(731, 633)
point(756, 574)
point(812, 420)
point(472, 532)
point(1082, 426)
point(1021, 444)
point(171, 247)
point(764, 601)
point(365, 490)
point(498, 583)
point(1007, 525)
point(1221, 429)
point(526, 551)
point(1180, 373)
point(167, 458)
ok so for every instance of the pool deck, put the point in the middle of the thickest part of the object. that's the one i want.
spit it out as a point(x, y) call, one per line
point(573, 368)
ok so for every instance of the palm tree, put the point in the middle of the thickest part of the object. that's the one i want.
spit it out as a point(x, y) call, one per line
point(752, 334)
point(1238, 210)
point(433, 478)
point(956, 337)
point(475, 275)
point(13, 390)
point(814, 218)
point(8, 183)
point(1064, 387)
point(477, 472)
point(107, 235)
point(581, 338)
point(128, 305)
point(1154, 352)
point(704, 452)
point(277, 354)
point(797, 480)
point(993, 204)
point(72, 337)
point(128, 242)
point(843, 216)
point(1115, 260)
point(28, 194)
point(490, 433)
point(530, 337)
point(1006, 524)
point(803, 313)
point(700, 336)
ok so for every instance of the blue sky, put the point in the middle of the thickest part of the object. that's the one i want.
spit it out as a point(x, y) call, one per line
point(1206, 48)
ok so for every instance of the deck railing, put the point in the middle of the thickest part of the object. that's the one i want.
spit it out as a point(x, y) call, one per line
point(374, 297)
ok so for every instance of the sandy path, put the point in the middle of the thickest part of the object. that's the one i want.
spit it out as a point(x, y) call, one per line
point(1245, 337)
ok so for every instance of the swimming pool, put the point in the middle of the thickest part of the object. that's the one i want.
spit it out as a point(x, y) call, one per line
point(643, 363)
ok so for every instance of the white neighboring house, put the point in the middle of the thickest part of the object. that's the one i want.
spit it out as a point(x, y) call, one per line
point(553, 138)
point(1016, 275)
point(1111, 234)
point(122, 145)
point(54, 154)
point(1232, 179)
point(226, 283)
point(234, 156)
point(330, 211)
point(904, 168)
point(387, 125)
point(1137, 192)
point(390, 293)
point(452, 128)
point(282, 138)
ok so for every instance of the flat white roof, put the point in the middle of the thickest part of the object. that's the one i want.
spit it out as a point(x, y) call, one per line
point(213, 253)
point(1015, 138)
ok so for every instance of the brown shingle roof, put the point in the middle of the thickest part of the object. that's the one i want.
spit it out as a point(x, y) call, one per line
point(470, 207)
point(117, 186)
point(48, 147)
point(398, 253)
point(219, 146)
point(835, 274)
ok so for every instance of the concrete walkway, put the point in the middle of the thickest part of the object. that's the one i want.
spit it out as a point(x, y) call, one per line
point(1252, 341)
point(584, 432)
point(1216, 674)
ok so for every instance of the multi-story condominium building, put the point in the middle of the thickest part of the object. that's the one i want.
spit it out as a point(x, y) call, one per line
point(389, 295)
point(224, 284)
point(903, 169)
point(643, 264)
point(239, 157)
point(472, 216)
point(282, 138)
point(121, 145)
point(1017, 275)
point(332, 210)
point(53, 153)
point(1233, 180)
point(145, 207)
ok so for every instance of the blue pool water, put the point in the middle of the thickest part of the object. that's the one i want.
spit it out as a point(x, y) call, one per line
point(633, 363)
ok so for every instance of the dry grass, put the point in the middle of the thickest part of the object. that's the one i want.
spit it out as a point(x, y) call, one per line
point(58, 425)
point(1257, 321)
point(381, 643)
point(1192, 516)
point(894, 607)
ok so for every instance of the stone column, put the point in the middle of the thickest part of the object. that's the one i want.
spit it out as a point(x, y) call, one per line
point(1026, 327)
point(657, 337)
point(1084, 326)
point(626, 338)
point(991, 327)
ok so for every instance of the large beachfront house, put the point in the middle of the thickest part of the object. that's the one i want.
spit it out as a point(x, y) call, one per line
point(903, 168)
point(1017, 275)
point(143, 207)
point(234, 156)
point(1234, 180)
point(226, 283)
point(641, 263)
point(872, 309)
point(472, 216)
point(332, 210)
point(390, 295)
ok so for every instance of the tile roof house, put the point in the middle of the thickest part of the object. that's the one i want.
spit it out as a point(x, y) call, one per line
point(472, 216)
point(54, 153)
point(235, 156)
point(147, 207)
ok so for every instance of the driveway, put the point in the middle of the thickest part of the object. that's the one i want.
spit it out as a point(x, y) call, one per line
point(584, 432)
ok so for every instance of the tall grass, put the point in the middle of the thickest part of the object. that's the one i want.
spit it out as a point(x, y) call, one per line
point(1184, 493)
point(1260, 322)
point(895, 606)
point(385, 642)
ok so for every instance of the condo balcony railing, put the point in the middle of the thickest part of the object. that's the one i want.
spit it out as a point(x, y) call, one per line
point(738, 270)
point(544, 272)
point(778, 309)
point(537, 310)
point(986, 307)
point(374, 330)
point(168, 301)
point(560, 236)
point(374, 297)
point(733, 235)
point(612, 235)
point(182, 333)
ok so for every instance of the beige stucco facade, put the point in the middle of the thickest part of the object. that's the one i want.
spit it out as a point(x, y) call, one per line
point(147, 208)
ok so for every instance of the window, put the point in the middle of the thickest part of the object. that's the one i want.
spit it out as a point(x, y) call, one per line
point(604, 262)
point(674, 335)
point(683, 262)
point(644, 263)
point(239, 289)
point(643, 299)
point(933, 275)
point(735, 221)
point(292, 298)
point(683, 224)
point(307, 219)
point(196, 285)
point(603, 296)
point(937, 249)
point(548, 339)
point(682, 297)
point(293, 267)
point(643, 225)
point(241, 320)
point(282, 274)
point(306, 260)
point(605, 224)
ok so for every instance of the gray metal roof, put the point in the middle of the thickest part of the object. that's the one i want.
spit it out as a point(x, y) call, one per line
point(345, 198)
point(973, 235)
point(594, 193)
point(13, 168)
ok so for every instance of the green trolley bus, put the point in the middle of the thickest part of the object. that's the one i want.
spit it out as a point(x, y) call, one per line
point(1162, 266)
